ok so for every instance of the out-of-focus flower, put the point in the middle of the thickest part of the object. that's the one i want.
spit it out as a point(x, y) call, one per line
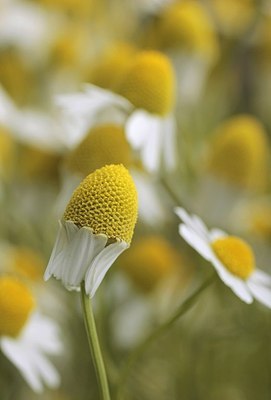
point(97, 226)
point(149, 84)
point(108, 70)
point(232, 258)
point(185, 31)
point(239, 153)
point(27, 338)
point(147, 101)
point(149, 262)
point(233, 17)
point(187, 27)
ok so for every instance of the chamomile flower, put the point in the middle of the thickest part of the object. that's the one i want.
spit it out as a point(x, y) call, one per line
point(232, 258)
point(145, 100)
point(239, 153)
point(97, 226)
point(27, 338)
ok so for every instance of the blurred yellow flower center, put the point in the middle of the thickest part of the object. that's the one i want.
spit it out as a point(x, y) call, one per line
point(149, 261)
point(27, 263)
point(109, 70)
point(187, 25)
point(106, 202)
point(236, 255)
point(104, 145)
point(16, 304)
point(240, 152)
point(150, 83)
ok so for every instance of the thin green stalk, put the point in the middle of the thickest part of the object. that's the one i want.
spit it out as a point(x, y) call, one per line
point(94, 344)
point(181, 310)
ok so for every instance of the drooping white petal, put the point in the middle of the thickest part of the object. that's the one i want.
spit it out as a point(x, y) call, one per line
point(196, 241)
point(48, 374)
point(137, 130)
point(101, 264)
point(260, 292)
point(168, 136)
point(237, 285)
point(65, 233)
point(8, 110)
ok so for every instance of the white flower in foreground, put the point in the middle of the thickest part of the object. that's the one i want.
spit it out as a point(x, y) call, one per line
point(26, 337)
point(97, 226)
point(231, 256)
point(148, 90)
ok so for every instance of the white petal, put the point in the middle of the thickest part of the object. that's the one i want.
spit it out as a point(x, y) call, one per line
point(66, 231)
point(47, 372)
point(101, 264)
point(196, 241)
point(8, 110)
point(20, 356)
point(215, 234)
point(237, 285)
point(144, 133)
point(261, 277)
point(260, 292)
point(71, 264)
point(168, 133)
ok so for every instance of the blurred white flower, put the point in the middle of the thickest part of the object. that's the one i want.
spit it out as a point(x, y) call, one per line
point(27, 338)
point(232, 258)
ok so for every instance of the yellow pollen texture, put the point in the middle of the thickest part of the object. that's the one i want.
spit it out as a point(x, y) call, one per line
point(104, 145)
point(16, 304)
point(150, 83)
point(149, 261)
point(236, 255)
point(106, 202)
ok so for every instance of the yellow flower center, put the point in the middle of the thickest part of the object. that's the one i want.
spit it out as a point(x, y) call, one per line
point(27, 263)
point(106, 202)
point(236, 255)
point(104, 145)
point(187, 25)
point(150, 83)
point(149, 261)
point(240, 153)
point(16, 304)
point(108, 72)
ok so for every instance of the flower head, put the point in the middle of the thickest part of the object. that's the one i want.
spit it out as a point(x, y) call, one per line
point(150, 261)
point(26, 337)
point(187, 26)
point(104, 145)
point(231, 256)
point(149, 83)
point(239, 153)
point(97, 226)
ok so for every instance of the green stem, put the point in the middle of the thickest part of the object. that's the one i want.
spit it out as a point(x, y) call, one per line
point(181, 310)
point(94, 344)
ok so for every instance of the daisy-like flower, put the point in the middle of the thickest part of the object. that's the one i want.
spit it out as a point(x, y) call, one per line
point(27, 338)
point(97, 226)
point(232, 258)
point(145, 100)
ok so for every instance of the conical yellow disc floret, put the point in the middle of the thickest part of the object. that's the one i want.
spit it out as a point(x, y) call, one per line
point(106, 202)
point(149, 261)
point(104, 145)
point(236, 255)
point(240, 152)
point(187, 25)
point(150, 83)
point(16, 304)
